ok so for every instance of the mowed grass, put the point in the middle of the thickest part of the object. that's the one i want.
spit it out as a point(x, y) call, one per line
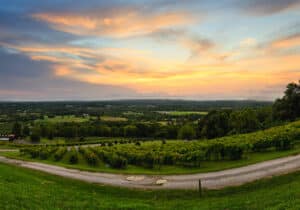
point(65, 118)
point(113, 119)
point(206, 166)
point(183, 113)
point(27, 189)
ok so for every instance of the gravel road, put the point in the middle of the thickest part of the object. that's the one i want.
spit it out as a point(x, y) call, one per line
point(212, 180)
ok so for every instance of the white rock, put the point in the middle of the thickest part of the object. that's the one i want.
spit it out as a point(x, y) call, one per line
point(135, 178)
point(161, 181)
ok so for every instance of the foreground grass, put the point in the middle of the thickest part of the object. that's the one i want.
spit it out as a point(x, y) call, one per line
point(206, 166)
point(26, 189)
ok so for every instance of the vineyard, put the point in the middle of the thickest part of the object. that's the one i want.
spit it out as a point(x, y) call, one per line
point(120, 154)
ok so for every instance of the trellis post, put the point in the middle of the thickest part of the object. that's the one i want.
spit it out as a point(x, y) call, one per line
point(200, 187)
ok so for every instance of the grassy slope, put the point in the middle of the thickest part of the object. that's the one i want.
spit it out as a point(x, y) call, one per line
point(26, 189)
point(113, 119)
point(65, 118)
point(206, 166)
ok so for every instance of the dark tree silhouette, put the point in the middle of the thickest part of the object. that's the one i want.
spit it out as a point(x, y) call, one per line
point(288, 107)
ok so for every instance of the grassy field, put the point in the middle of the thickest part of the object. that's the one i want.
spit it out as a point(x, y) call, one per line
point(132, 113)
point(206, 166)
point(182, 113)
point(113, 119)
point(27, 189)
point(65, 118)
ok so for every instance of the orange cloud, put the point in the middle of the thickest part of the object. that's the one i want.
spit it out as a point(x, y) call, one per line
point(62, 71)
point(289, 42)
point(121, 24)
point(145, 73)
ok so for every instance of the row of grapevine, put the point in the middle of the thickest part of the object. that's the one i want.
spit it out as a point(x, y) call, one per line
point(183, 153)
point(41, 152)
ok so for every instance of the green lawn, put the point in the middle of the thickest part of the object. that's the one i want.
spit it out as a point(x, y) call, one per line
point(27, 189)
point(64, 118)
point(113, 119)
point(206, 166)
point(183, 113)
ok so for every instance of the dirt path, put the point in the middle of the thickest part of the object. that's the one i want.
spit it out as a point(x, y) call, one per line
point(9, 150)
point(212, 180)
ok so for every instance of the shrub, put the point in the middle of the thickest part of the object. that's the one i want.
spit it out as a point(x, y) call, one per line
point(262, 145)
point(35, 138)
point(186, 132)
point(33, 152)
point(91, 158)
point(73, 159)
point(282, 142)
point(44, 154)
point(234, 152)
point(116, 161)
point(60, 152)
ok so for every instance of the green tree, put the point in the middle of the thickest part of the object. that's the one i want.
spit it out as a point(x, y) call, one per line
point(244, 121)
point(26, 130)
point(130, 131)
point(214, 124)
point(288, 107)
point(35, 137)
point(17, 129)
point(187, 132)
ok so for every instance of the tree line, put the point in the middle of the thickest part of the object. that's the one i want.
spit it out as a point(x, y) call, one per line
point(216, 123)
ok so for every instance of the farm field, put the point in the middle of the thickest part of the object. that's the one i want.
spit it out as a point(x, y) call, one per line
point(29, 187)
point(173, 157)
point(206, 166)
point(62, 119)
point(113, 119)
point(141, 105)
point(183, 113)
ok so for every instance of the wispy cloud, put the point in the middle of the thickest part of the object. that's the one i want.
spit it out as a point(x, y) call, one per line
point(137, 48)
point(291, 41)
point(116, 23)
point(196, 45)
point(267, 7)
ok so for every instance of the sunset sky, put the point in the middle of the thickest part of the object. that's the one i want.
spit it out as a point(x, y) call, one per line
point(188, 49)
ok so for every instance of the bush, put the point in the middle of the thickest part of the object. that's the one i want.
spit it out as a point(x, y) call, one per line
point(35, 138)
point(91, 158)
point(60, 152)
point(73, 159)
point(149, 160)
point(282, 142)
point(234, 152)
point(262, 145)
point(116, 161)
point(44, 154)
point(34, 152)
point(186, 132)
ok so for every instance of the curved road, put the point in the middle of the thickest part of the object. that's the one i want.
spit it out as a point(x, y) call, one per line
point(212, 180)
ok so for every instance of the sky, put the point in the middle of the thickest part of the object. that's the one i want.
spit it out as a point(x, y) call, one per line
point(186, 49)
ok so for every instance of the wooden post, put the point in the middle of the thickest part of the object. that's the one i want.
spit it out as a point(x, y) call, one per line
point(200, 188)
